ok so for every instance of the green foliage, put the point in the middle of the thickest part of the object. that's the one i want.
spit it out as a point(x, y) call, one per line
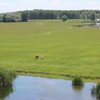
point(11, 18)
point(96, 90)
point(24, 16)
point(84, 16)
point(0, 18)
point(5, 91)
point(64, 17)
point(55, 14)
point(93, 17)
point(6, 77)
point(77, 81)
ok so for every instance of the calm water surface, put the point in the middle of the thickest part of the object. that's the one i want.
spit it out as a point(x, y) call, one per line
point(36, 88)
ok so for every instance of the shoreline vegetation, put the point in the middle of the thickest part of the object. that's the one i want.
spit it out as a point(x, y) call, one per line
point(57, 75)
point(6, 78)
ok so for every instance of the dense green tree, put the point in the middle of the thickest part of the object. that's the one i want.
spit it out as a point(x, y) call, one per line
point(24, 16)
point(93, 17)
point(0, 18)
point(4, 18)
point(11, 18)
point(83, 16)
point(64, 17)
point(98, 16)
point(8, 18)
point(87, 15)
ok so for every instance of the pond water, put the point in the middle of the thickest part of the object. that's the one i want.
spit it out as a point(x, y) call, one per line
point(36, 88)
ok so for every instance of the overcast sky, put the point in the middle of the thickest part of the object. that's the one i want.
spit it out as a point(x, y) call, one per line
point(15, 5)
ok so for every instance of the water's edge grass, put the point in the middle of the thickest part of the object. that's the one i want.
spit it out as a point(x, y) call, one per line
point(56, 75)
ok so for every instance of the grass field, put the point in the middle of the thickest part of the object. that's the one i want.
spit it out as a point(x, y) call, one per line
point(67, 50)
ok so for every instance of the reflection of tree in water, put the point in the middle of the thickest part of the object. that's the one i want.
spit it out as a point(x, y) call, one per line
point(78, 88)
point(4, 92)
point(96, 98)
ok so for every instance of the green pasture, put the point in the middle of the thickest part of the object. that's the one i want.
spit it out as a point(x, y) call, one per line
point(68, 50)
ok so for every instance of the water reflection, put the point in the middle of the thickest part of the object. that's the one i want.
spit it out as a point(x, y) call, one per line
point(35, 88)
point(4, 92)
point(77, 88)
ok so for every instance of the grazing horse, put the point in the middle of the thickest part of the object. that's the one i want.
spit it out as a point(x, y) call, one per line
point(41, 57)
point(36, 57)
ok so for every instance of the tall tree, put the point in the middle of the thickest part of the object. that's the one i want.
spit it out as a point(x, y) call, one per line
point(64, 17)
point(83, 16)
point(4, 18)
point(93, 17)
point(24, 16)
point(8, 18)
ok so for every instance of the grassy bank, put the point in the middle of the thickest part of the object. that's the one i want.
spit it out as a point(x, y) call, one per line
point(68, 50)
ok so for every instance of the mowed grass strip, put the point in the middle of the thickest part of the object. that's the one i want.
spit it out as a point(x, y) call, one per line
point(67, 50)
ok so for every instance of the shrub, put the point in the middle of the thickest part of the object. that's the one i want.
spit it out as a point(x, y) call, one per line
point(11, 18)
point(64, 17)
point(6, 77)
point(77, 81)
point(96, 90)
point(24, 16)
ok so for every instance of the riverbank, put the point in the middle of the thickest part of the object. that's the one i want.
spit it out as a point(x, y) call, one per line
point(58, 76)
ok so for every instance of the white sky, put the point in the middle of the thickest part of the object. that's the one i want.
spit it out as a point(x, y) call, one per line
point(16, 5)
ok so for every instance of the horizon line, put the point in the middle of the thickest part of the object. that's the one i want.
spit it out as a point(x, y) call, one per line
point(49, 9)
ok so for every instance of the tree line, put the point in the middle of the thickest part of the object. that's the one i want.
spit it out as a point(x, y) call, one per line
point(24, 16)
point(14, 17)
